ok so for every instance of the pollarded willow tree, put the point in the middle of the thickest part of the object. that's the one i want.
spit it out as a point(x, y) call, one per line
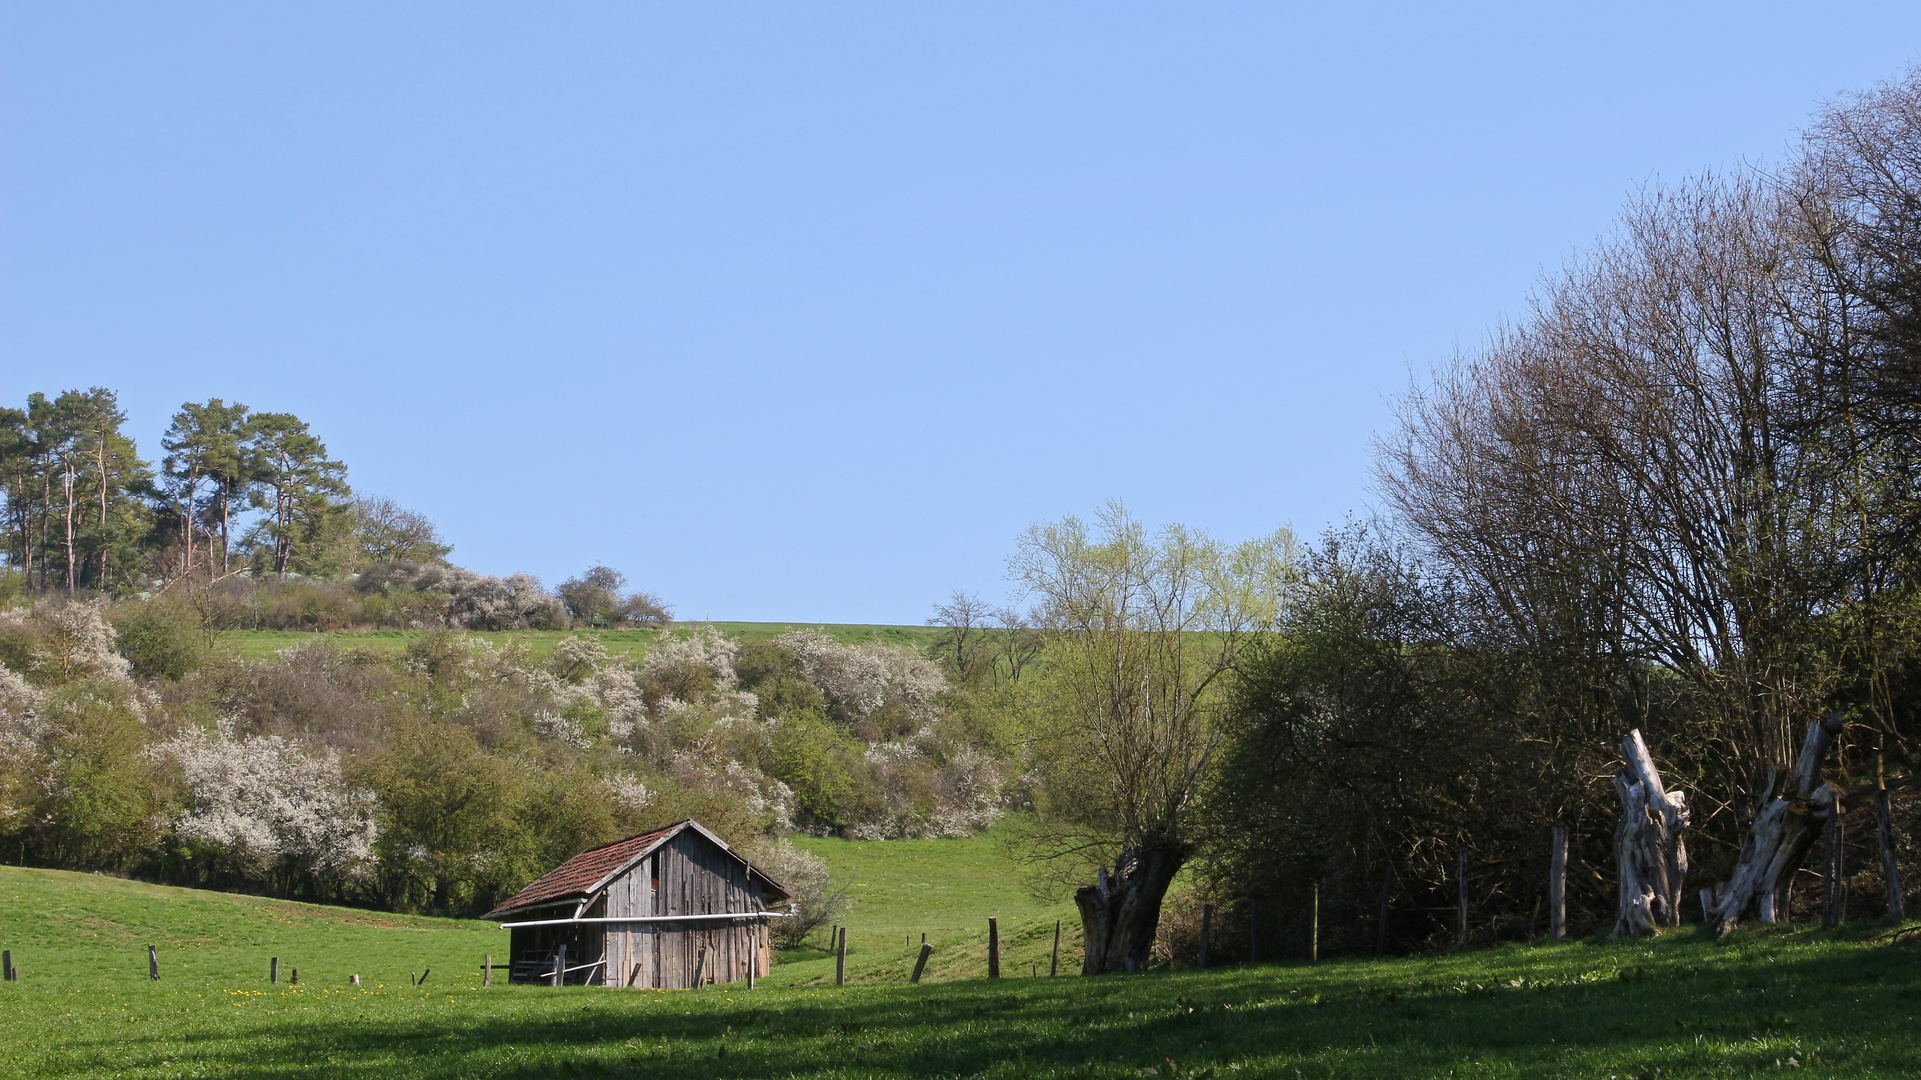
point(1142, 634)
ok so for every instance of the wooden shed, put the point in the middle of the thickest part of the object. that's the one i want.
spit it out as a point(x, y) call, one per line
point(667, 910)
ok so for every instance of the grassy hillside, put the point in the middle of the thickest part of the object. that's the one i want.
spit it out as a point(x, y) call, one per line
point(945, 889)
point(1837, 1004)
point(259, 644)
point(77, 931)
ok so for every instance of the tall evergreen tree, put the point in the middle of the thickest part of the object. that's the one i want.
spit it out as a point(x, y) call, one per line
point(300, 488)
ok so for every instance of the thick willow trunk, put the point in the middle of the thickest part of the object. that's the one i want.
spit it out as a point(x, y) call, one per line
point(1120, 914)
point(1780, 837)
point(1648, 848)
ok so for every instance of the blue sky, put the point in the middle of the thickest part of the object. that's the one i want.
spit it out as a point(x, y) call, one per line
point(805, 311)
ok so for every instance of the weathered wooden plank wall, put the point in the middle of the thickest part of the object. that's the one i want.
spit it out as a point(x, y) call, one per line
point(689, 875)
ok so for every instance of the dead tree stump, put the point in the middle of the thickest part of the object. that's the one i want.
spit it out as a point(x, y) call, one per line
point(1780, 836)
point(1650, 855)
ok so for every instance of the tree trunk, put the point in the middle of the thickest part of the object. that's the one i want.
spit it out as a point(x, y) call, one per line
point(1557, 886)
point(1387, 895)
point(1834, 878)
point(68, 501)
point(1884, 828)
point(1120, 914)
point(1460, 907)
point(1649, 853)
point(1780, 836)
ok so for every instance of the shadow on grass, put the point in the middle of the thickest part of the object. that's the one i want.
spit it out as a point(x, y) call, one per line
point(1683, 1008)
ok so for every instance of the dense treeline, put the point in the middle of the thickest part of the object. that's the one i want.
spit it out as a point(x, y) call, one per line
point(1679, 496)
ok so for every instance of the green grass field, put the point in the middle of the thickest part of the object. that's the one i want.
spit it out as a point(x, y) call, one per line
point(1809, 1002)
point(260, 644)
point(945, 889)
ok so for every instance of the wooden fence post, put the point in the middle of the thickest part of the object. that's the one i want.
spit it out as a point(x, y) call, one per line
point(920, 965)
point(1054, 965)
point(1557, 885)
point(560, 966)
point(273, 969)
point(294, 979)
point(840, 959)
point(6, 965)
point(1314, 928)
point(354, 978)
point(1207, 926)
point(487, 971)
point(753, 954)
point(993, 948)
point(1460, 909)
point(153, 963)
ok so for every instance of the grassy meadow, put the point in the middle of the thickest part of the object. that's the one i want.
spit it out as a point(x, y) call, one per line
point(261, 644)
point(1818, 1003)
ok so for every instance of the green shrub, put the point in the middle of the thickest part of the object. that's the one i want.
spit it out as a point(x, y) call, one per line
point(162, 638)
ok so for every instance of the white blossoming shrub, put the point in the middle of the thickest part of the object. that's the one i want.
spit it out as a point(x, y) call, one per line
point(967, 794)
point(763, 798)
point(72, 640)
point(21, 730)
point(264, 799)
point(689, 668)
point(628, 794)
point(807, 880)
point(861, 682)
point(516, 602)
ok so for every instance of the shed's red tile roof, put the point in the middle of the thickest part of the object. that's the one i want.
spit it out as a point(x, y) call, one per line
point(574, 877)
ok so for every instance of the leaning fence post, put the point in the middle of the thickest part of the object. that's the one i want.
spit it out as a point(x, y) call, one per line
point(1207, 925)
point(273, 969)
point(993, 948)
point(920, 965)
point(840, 959)
point(487, 971)
point(153, 963)
point(1054, 965)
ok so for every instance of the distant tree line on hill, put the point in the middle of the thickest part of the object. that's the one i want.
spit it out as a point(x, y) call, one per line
point(250, 518)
